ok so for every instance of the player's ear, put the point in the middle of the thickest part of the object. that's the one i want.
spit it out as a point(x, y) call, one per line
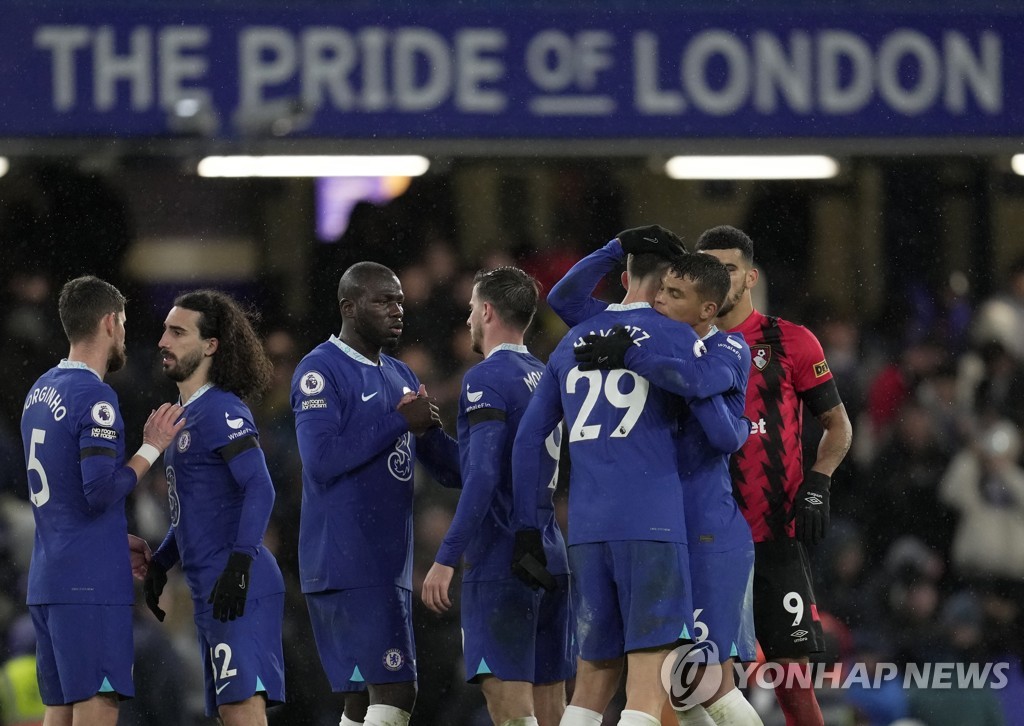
point(108, 323)
point(624, 279)
point(348, 308)
point(752, 277)
point(708, 310)
point(211, 346)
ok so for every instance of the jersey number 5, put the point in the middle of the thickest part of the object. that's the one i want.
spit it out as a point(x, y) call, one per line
point(633, 401)
point(43, 495)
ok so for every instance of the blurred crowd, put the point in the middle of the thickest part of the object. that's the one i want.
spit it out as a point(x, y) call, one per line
point(924, 561)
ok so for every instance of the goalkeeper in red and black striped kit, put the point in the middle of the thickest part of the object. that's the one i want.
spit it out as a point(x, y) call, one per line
point(786, 505)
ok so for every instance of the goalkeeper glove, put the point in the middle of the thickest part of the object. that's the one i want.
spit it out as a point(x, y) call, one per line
point(604, 352)
point(529, 563)
point(153, 586)
point(810, 508)
point(231, 588)
point(652, 239)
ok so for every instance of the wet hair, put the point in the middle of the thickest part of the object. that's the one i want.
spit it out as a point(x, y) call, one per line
point(83, 302)
point(240, 364)
point(512, 292)
point(725, 237)
point(709, 276)
point(643, 266)
point(357, 278)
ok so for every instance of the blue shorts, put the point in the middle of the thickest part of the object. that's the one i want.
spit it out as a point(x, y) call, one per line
point(243, 657)
point(82, 650)
point(364, 635)
point(723, 600)
point(517, 634)
point(630, 595)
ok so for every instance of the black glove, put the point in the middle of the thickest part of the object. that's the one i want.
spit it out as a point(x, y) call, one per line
point(153, 586)
point(529, 563)
point(604, 352)
point(231, 588)
point(810, 508)
point(652, 239)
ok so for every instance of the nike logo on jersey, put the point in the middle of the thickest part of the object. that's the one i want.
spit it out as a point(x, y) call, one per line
point(652, 240)
point(235, 423)
point(241, 583)
point(473, 396)
point(222, 687)
point(367, 398)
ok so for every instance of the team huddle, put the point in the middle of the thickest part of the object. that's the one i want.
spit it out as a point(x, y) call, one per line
point(689, 506)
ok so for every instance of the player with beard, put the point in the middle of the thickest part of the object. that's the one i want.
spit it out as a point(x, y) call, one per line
point(221, 496)
point(80, 591)
point(362, 419)
point(787, 509)
point(720, 545)
point(517, 641)
point(627, 516)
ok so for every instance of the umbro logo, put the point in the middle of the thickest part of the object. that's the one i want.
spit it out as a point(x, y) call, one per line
point(798, 633)
point(812, 498)
point(367, 398)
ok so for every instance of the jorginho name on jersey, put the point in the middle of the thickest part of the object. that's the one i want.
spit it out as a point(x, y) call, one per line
point(74, 446)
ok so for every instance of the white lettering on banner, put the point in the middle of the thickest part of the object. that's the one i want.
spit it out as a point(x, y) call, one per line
point(714, 72)
point(770, 73)
point(179, 62)
point(559, 63)
point(114, 67)
point(375, 69)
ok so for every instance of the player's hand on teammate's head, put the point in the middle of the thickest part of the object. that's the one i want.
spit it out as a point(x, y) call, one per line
point(232, 588)
point(421, 414)
point(153, 586)
point(651, 239)
point(530, 563)
point(811, 509)
point(604, 352)
point(163, 425)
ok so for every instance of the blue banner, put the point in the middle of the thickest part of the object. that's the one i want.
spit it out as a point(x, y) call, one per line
point(328, 73)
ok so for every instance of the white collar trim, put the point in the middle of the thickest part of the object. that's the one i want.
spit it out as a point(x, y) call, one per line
point(618, 307)
point(352, 352)
point(79, 365)
point(202, 389)
point(514, 347)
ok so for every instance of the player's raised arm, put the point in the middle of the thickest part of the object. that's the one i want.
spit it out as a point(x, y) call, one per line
point(571, 298)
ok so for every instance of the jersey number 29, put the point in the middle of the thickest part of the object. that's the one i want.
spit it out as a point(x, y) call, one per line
point(597, 384)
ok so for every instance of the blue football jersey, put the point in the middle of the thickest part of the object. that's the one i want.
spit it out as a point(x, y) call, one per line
point(713, 519)
point(358, 460)
point(73, 436)
point(495, 393)
point(212, 512)
point(624, 483)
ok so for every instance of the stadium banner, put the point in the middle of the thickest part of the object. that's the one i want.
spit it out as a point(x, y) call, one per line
point(316, 72)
